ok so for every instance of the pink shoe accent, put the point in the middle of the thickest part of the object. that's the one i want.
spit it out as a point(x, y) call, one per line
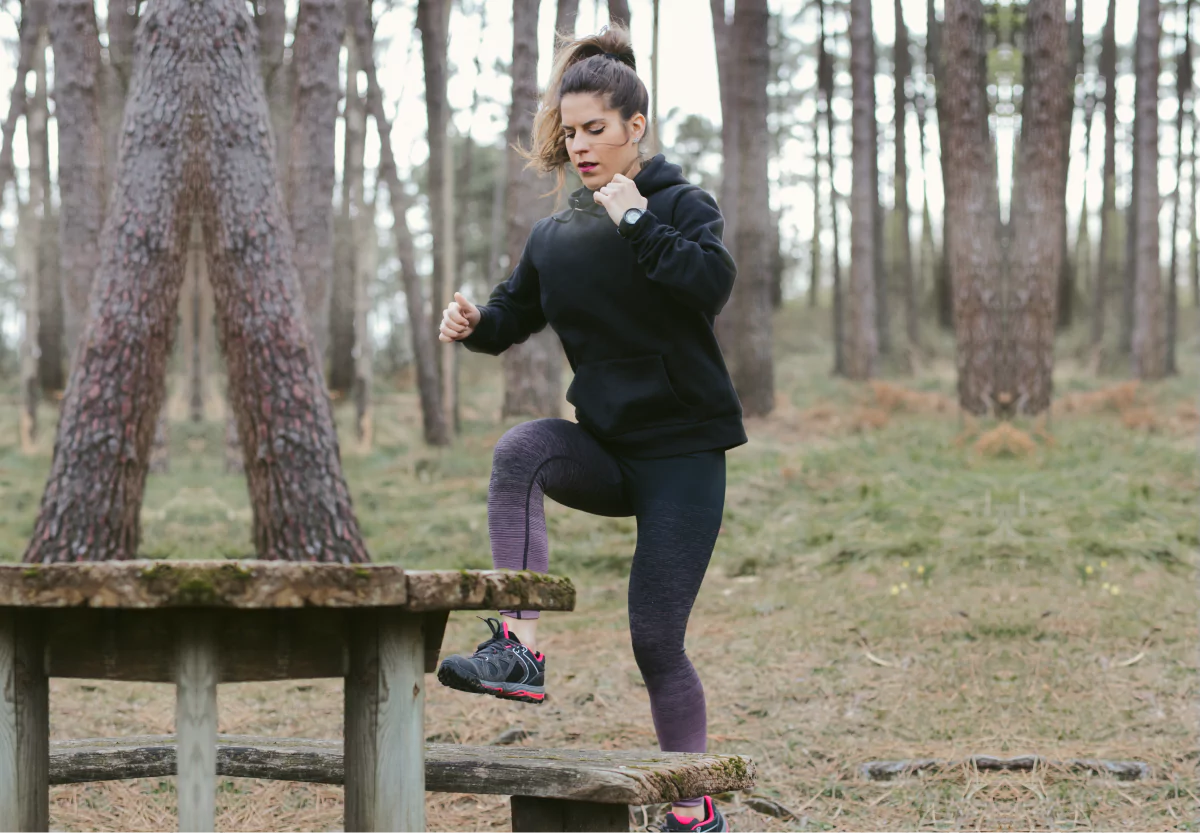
point(538, 656)
point(506, 627)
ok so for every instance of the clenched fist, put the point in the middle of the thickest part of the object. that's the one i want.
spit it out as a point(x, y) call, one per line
point(459, 320)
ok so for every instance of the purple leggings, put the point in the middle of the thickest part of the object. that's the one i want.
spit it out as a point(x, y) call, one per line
point(678, 502)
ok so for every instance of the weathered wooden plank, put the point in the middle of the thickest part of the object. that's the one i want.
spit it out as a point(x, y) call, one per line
point(606, 776)
point(229, 584)
point(252, 645)
point(488, 590)
point(24, 724)
point(545, 814)
point(196, 721)
point(361, 711)
point(276, 584)
point(400, 741)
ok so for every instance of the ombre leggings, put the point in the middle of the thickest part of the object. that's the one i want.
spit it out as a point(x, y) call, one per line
point(678, 503)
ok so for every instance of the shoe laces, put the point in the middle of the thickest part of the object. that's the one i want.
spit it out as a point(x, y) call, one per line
point(495, 643)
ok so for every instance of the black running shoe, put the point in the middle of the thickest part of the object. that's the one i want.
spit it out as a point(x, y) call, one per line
point(501, 666)
point(713, 820)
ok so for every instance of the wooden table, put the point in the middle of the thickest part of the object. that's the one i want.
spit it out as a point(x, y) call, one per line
point(200, 623)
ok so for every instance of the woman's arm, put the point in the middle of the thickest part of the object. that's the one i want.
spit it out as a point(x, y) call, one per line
point(513, 311)
point(689, 258)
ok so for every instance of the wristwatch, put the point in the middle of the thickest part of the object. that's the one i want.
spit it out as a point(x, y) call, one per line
point(628, 220)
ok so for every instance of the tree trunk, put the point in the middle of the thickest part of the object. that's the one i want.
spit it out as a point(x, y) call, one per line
point(114, 81)
point(1193, 247)
point(279, 78)
point(815, 248)
point(1038, 222)
point(1107, 70)
point(862, 321)
point(619, 11)
point(301, 504)
point(825, 83)
point(435, 427)
point(315, 49)
point(943, 294)
point(81, 177)
point(26, 257)
point(533, 369)
point(91, 505)
point(880, 273)
point(33, 15)
point(969, 165)
point(51, 359)
point(1184, 85)
point(32, 221)
point(901, 72)
point(565, 20)
point(346, 252)
point(1147, 340)
point(433, 19)
point(197, 323)
point(1073, 65)
point(366, 265)
point(222, 170)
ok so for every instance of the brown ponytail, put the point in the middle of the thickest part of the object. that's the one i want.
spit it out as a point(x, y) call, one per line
point(602, 63)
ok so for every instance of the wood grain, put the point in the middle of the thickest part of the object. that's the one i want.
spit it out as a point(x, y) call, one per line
point(143, 584)
point(24, 725)
point(609, 777)
point(196, 722)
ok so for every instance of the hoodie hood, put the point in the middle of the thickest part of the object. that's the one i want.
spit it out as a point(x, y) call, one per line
point(655, 175)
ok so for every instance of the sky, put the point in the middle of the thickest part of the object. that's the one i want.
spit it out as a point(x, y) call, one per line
point(688, 81)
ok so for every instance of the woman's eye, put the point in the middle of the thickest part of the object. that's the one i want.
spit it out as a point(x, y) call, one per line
point(597, 132)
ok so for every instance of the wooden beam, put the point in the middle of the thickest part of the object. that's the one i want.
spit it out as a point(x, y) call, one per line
point(629, 777)
point(196, 721)
point(24, 724)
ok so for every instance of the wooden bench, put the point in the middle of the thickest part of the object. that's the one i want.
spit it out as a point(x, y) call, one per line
point(550, 789)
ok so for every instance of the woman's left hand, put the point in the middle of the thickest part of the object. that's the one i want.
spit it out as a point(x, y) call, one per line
point(619, 196)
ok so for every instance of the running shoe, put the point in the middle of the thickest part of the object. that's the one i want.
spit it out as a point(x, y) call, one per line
point(501, 666)
point(713, 820)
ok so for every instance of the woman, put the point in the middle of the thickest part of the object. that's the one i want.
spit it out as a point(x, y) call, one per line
point(630, 277)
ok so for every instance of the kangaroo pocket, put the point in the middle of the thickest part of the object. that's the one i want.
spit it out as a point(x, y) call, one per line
point(622, 395)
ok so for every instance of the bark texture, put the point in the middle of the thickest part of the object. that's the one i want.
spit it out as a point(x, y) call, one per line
point(1147, 336)
point(435, 428)
point(862, 319)
point(193, 145)
point(81, 176)
point(33, 16)
point(302, 508)
point(969, 165)
point(433, 19)
point(533, 369)
point(904, 254)
point(91, 505)
point(1107, 70)
point(341, 314)
point(318, 40)
point(1036, 250)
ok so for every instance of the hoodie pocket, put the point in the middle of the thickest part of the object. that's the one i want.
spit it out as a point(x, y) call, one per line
point(622, 395)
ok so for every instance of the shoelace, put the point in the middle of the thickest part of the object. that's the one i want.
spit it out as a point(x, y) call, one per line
point(492, 644)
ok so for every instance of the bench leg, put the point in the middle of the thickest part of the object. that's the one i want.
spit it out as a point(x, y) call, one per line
point(384, 716)
point(24, 724)
point(196, 722)
point(543, 814)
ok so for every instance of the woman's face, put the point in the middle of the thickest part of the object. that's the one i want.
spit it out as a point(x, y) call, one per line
point(599, 142)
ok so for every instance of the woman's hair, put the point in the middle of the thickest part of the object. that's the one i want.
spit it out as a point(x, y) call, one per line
point(602, 64)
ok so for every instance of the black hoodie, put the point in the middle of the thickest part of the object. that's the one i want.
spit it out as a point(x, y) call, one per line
point(635, 316)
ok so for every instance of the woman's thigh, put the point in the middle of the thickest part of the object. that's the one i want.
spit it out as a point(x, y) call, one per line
point(569, 464)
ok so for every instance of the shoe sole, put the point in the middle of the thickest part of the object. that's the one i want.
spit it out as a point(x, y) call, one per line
point(449, 676)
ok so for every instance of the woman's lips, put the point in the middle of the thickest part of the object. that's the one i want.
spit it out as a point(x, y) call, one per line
point(587, 167)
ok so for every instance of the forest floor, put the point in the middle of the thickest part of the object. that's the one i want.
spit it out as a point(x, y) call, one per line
point(892, 582)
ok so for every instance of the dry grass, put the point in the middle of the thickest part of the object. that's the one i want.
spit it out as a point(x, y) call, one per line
point(1005, 440)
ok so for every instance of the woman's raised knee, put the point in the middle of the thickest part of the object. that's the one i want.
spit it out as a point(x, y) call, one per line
point(525, 443)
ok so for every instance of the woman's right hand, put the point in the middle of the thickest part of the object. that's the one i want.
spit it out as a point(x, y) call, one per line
point(459, 320)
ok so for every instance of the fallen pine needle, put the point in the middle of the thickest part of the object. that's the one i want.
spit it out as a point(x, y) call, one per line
point(879, 661)
point(1128, 662)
